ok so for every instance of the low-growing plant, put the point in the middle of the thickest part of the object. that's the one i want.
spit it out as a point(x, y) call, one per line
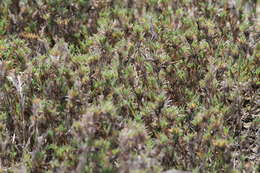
point(129, 86)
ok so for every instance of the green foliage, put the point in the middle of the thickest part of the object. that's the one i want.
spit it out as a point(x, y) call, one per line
point(128, 86)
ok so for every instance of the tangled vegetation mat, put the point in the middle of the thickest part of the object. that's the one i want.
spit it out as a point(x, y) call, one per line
point(129, 86)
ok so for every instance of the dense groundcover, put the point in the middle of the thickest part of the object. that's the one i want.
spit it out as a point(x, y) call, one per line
point(129, 86)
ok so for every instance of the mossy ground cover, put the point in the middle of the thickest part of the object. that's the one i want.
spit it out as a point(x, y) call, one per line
point(129, 86)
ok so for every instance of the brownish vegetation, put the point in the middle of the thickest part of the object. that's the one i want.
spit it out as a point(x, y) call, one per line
point(129, 86)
